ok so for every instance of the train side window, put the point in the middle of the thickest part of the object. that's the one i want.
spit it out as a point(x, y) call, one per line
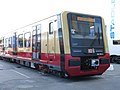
point(10, 42)
point(38, 33)
point(39, 29)
point(116, 42)
point(51, 28)
point(20, 41)
point(6, 42)
point(34, 31)
point(27, 39)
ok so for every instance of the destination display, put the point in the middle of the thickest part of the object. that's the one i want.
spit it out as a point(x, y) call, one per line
point(86, 19)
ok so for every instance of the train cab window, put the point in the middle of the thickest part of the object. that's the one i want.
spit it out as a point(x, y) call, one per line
point(74, 29)
point(20, 41)
point(85, 32)
point(86, 27)
point(27, 39)
point(83, 29)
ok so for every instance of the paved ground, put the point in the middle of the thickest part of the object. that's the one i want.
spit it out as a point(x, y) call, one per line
point(17, 77)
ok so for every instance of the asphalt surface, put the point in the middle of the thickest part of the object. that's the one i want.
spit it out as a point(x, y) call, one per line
point(17, 77)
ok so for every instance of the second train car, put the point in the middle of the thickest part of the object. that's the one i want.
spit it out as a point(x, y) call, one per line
point(69, 44)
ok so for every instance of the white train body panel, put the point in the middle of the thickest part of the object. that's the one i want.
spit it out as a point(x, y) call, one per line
point(113, 28)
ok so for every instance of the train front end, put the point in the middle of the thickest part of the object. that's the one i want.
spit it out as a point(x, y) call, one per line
point(85, 44)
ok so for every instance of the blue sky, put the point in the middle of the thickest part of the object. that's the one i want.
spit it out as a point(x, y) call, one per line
point(18, 13)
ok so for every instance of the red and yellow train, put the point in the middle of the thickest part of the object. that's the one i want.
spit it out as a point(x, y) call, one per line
point(69, 44)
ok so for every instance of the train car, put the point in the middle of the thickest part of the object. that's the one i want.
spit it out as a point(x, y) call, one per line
point(1, 45)
point(113, 30)
point(68, 44)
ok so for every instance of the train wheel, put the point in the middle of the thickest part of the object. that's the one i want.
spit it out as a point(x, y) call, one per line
point(112, 59)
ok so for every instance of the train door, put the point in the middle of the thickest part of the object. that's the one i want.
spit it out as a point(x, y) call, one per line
point(51, 41)
point(36, 42)
point(3, 47)
point(14, 44)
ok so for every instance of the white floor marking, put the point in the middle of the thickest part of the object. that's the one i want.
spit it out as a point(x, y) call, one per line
point(21, 74)
point(1, 65)
point(111, 67)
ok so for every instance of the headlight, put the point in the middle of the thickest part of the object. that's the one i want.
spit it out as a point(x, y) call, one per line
point(95, 62)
